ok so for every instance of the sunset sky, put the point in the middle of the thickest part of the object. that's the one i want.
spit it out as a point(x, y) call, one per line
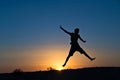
point(30, 37)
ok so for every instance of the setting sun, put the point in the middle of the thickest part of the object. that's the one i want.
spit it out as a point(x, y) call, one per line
point(59, 68)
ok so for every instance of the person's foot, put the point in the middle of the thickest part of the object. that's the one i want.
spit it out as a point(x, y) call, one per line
point(92, 59)
point(63, 65)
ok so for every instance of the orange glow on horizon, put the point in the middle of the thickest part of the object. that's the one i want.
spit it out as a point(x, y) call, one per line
point(42, 58)
point(54, 56)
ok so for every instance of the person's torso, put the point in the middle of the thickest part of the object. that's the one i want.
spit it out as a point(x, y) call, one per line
point(74, 38)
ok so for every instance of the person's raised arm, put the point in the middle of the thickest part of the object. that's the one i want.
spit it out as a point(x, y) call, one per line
point(81, 39)
point(64, 30)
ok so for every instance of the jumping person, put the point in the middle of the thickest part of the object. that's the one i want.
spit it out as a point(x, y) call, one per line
point(74, 44)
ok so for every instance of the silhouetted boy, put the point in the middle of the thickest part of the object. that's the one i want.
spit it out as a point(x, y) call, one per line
point(74, 44)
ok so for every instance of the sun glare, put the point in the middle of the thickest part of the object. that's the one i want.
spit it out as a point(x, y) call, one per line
point(60, 68)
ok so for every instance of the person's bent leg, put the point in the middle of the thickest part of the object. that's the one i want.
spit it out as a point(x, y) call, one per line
point(66, 60)
point(72, 50)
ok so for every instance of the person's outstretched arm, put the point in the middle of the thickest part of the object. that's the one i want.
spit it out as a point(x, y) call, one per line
point(81, 39)
point(64, 30)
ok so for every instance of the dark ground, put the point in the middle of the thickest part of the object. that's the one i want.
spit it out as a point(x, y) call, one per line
point(95, 73)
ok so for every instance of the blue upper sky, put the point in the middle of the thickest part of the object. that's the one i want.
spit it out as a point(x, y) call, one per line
point(25, 23)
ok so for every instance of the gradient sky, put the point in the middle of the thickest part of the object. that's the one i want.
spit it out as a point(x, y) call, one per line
point(30, 38)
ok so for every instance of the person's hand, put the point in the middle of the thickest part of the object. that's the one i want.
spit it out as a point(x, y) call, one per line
point(61, 27)
point(84, 41)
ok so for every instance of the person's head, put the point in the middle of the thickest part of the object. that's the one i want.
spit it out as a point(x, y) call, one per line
point(76, 30)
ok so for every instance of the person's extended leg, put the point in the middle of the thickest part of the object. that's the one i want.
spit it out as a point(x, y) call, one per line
point(69, 55)
point(88, 56)
point(83, 52)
